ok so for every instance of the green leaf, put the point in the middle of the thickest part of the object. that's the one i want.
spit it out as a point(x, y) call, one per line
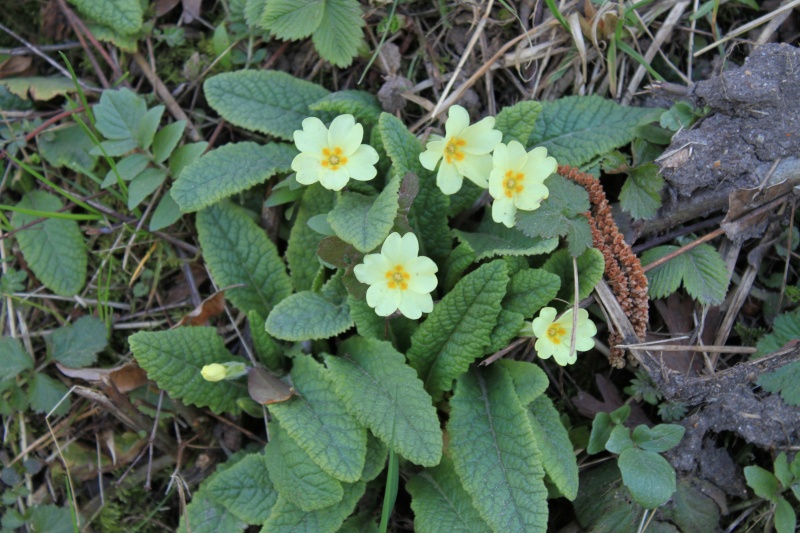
point(530, 381)
point(128, 168)
point(148, 127)
point(301, 252)
point(785, 328)
point(125, 16)
point(763, 482)
point(238, 251)
point(13, 358)
point(782, 471)
point(591, 266)
point(166, 213)
point(311, 315)
point(51, 519)
point(245, 489)
point(339, 33)
point(701, 269)
point(44, 393)
point(518, 121)
point(783, 381)
point(531, 289)
point(287, 517)
point(54, 249)
point(691, 510)
point(641, 193)
point(603, 503)
point(361, 104)
point(457, 263)
point(119, 113)
point(428, 213)
point(658, 439)
point(319, 422)
point(601, 432)
point(266, 101)
point(575, 129)
point(385, 395)
point(494, 452)
point(560, 215)
point(368, 323)
point(174, 358)
point(185, 155)
point(68, 146)
point(77, 345)
point(228, 170)
point(785, 517)
point(40, 88)
point(269, 352)
point(493, 239)
point(440, 503)
point(207, 516)
point(376, 458)
point(648, 476)
point(619, 440)
point(509, 324)
point(167, 139)
point(458, 329)
point(365, 221)
point(296, 476)
point(144, 184)
point(292, 19)
point(553, 442)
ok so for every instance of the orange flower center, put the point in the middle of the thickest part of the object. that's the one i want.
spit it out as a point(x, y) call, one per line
point(512, 183)
point(333, 159)
point(555, 333)
point(398, 278)
point(452, 150)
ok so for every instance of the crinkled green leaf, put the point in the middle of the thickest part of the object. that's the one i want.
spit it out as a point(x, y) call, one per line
point(465, 198)
point(385, 395)
point(45, 393)
point(13, 358)
point(428, 213)
point(785, 381)
point(660, 438)
point(266, 101)
point(603, 502)
point(363, 522)
point(174, 358)
point(339, 33)
point(364, 106)
point(701, 269)
point(320, 424)
point(144, 185)
point(457, 263)
point(292, 19)
point(494, 239)
point(311, 315)
point(649, 477)
point(286, 517)
point(560, 215)
point(518, 121)
point(509, 324)
point(457, 331)
point(301, 252)
point(205, 515)
point(440, 503)
point(531, 289)
point(295, 476)
point(494, 452)
point(238, 251)
point(245, 489)
point(553, 442)
point(107, 34)
point(77, 345)
point(575, 129)
point(125, 16)
point(641, 194)
point(375, 461)
point(119, 114)
point(54, 249)
point(166, 213)
point(167, 139)
point(368, 323)
point(184, 155)
point(269, 352)
point(365, 221)
point(530, 381)
point(68, 146)
point(591, 266)
point(228, 170)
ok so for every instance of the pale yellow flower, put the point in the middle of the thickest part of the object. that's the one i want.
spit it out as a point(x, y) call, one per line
point(464, 151)
point(516, 181)
point(218, 372)
point(398, 278)
point(553, 336)
point(332, 157)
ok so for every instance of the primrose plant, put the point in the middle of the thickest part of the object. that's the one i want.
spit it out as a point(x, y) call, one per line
point(385, 306)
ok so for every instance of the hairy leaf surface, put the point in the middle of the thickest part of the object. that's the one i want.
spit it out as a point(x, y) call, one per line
point(289, 518)
point(517, 122)
point(553, 442)
point(365, 221)
point(311, 315)
point(245, 489)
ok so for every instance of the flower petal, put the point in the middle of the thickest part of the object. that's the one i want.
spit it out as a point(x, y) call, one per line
point(334, 180)
point(457, 121)
point(384, 300)
point(413, 304)
point(373, 269)
point(531, 197)
point(341, 128)
point(307, 167)
point(431, 156)
point(361, 164)
point(543, 321)
point(448, 179)
point(543, 347)
point(504, 211)
point(391, 249)
point(409, 247)
point(516, 156)
point(539, 166)
point(313, 137)
point(481, 138)
point(477, 168)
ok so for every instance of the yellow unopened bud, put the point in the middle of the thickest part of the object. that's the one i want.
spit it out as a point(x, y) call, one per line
point(214, 372)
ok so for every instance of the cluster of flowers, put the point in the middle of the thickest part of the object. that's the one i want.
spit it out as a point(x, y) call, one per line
point(399, 278)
